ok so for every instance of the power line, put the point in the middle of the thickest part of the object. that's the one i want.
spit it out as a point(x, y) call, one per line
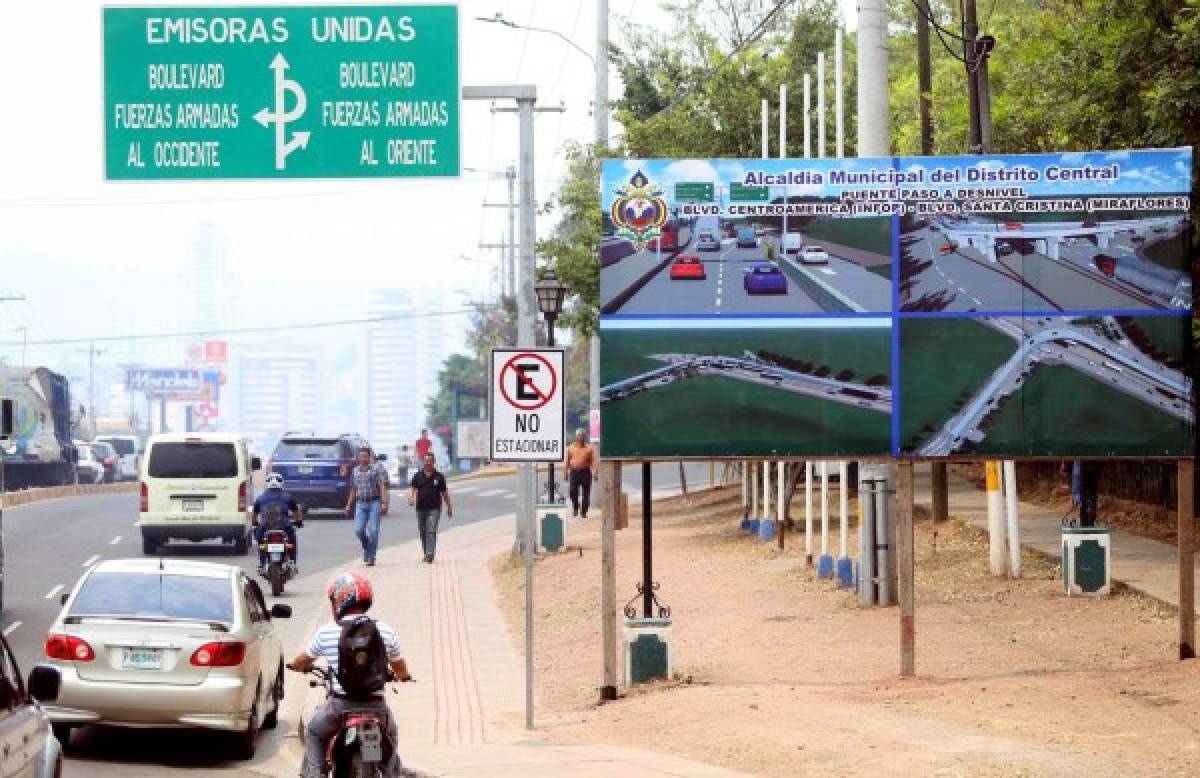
point(251, 330)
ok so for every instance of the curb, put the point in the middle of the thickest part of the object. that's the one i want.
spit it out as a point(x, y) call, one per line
point(490, 473)
point(40, 494)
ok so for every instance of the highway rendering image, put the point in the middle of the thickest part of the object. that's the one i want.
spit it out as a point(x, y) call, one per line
point(1096, 385)
point(783, 384)
point(957, 263)
point(830, 279)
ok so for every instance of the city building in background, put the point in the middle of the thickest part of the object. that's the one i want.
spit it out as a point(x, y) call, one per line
point(404, 352)
point(277, 393)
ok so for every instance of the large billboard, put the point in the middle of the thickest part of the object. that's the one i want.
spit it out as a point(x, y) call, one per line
point(997, 305)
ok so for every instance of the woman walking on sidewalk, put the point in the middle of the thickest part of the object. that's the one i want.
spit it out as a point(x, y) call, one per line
point(427, 491)
point(367, 502)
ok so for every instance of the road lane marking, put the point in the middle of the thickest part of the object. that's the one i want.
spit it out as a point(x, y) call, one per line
point(91, 560)
point(466, 489)
point(964, 291)
point(491, 492)
point(509, 496)
point(11, 628)
point(977, 301)
point(115, 540)
point(50, 595)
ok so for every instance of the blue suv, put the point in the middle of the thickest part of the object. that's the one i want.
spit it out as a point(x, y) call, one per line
point(317, 470)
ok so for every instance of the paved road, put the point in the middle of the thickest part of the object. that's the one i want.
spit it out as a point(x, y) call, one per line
point(49, 544)
point(963, 280)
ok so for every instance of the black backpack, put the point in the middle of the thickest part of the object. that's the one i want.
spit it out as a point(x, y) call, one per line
point(362, 659)
point(273, 517)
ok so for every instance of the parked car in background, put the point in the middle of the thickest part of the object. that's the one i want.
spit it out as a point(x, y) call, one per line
point(88, 469)
point(28, 747)
point(129, 461)
point(764, 279)
point(167, 643)
point(707, 242)
point(317, 470)
point(687, 266)
point(814, 255)
point(108, 459)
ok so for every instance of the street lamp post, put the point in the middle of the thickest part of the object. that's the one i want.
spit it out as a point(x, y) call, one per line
point(550, 294)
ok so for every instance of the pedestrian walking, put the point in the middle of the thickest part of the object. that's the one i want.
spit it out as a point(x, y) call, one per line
point(423, 445)
point(580, 464)
point(427, 492)
point(367, 502)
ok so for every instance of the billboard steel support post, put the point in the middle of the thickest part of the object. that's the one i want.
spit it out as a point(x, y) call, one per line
point(1186, 535)
point(995, 510)
point(647, 542)
point(821, 104)
point(780, 473)
point(807, 112)
point(766, 120)
point(904, 567)
point(808, 513)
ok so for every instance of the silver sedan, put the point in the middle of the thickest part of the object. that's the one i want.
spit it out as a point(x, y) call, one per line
point(167, 643)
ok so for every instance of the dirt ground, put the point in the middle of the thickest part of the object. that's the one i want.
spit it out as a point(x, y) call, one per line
point(778, 673)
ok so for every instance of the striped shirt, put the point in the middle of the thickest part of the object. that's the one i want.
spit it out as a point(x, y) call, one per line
point(369, 481)
point(324, 645)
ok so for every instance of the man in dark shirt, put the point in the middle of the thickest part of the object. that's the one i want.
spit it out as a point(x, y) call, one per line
point(427, 491)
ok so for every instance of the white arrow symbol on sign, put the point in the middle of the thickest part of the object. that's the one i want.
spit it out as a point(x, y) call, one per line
point(281, 116)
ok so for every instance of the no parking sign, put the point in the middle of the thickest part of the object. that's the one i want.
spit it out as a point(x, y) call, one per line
point(528, 414)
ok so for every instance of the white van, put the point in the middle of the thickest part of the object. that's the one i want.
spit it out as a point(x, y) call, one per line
point(126, 446)
point(197, 486)
point(793, 242)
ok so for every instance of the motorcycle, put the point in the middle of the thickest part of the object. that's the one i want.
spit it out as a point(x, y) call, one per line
point(280, 565)
point(361, 747)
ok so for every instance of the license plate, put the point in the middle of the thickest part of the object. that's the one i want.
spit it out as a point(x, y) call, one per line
point(304, 470)
point(193, 506)
point(275, 548)
point(143, 659)
point(371, 744)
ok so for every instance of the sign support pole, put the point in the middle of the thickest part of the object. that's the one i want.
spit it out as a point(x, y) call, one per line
point(608, 580)
point(1186, 540)
point(647, 542)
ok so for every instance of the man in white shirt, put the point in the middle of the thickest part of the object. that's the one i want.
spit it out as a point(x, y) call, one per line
point(350, 597)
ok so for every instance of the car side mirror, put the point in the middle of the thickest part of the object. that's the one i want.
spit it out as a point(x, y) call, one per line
point(256, 463)
point(44, 683)
point(281, 611)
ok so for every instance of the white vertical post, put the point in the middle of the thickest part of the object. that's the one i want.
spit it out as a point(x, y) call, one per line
point(746, 490)
point(824, 509)
point(821, 104)
point(807, 116)
point(780, 469)
point(754, 514)
point(843, 496)
point(808, 512)
point(995, 509)
point(766, 119)
point(838, 109)
point(766, 490)
point(783, 121)
point(1014, 525)
point(873, 132)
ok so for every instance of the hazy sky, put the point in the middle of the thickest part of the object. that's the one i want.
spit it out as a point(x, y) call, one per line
point(97, 258)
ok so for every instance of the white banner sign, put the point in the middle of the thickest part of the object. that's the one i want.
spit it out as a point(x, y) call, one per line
point(527, 408)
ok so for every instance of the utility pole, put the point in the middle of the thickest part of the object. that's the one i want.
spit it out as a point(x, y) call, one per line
point(91, 351)
point(874, 139)
point(975, 52)
point(508, 247)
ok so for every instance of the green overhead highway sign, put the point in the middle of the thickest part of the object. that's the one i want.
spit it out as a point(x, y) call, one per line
point(743, 194)
point(333, 91)
point(694, 192)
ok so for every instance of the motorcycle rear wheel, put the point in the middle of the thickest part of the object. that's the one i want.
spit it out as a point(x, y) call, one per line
point(276, 576)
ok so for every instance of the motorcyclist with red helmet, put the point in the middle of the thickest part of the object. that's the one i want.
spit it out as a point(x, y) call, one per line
point(350, 597)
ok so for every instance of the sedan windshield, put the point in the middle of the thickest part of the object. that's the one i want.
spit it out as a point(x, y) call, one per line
point(154, 596)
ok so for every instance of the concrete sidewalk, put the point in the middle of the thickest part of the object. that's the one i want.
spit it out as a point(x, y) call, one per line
point(469, 672)
point(1149, 567)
